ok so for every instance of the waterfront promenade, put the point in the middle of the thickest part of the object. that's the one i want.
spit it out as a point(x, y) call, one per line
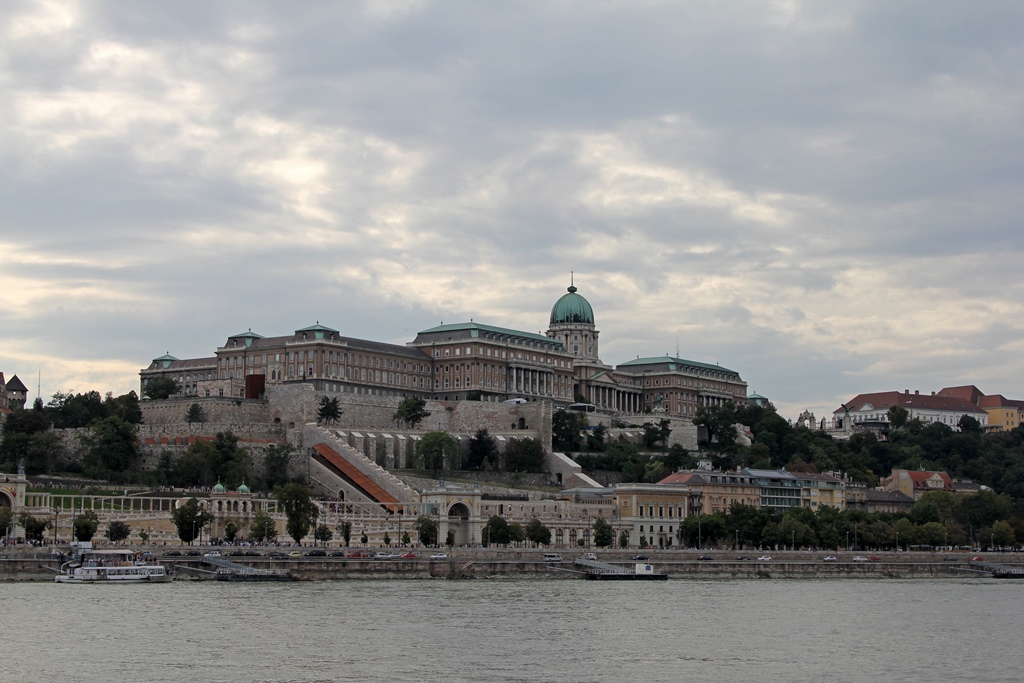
point(23, 563)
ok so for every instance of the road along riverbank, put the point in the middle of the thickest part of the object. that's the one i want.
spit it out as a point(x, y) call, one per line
point(487, 563)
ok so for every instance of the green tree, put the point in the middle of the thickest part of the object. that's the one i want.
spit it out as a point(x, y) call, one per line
point(969, 425)
point(718, 424)
point(524, 455)
point(195, 414)
point(276, 461)
point(230, 532)
point(537, 533)
point(604, 534)
point(161, 387)
point(483, 451)
point(405, 538)
point(411, 411)
point(189, 519)
point(111, 448)
point(263, 528)
point(329, 410)
point(898, 416)
point(656, 433)
point(364, 539)
point(6, 519)
point(125, 407)
point(299, 509)
point(450, 538)
point(144, 536)
point(496, 532)
point(623, 539)
point(426, 529)
point(1002, 534)
point(387, 539)
point(567, 428)
point(323, 534)
point(434, 448)
point(346, 532)
point(85, 525)
point(516, 533)
point(118, 531)
point(34, 528)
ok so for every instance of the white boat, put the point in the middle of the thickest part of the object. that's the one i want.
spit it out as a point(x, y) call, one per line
point(88, 565)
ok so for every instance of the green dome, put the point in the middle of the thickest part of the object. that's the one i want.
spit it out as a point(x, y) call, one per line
point(572, 308)
point(243, 488)
point(219, 488)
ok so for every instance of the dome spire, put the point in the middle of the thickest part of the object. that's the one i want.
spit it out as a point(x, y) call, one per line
point(572, 283)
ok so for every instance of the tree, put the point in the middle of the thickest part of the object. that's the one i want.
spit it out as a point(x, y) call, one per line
point(537, 533)
point(195, 413)
point(897, 416)
point(516, 533)
point(144, 536)
point(263, 528)
point(524, 455)
point(566, 429)
point(434, 448)
point(85, 525)
point(411, 411)
point(6, 519)
point(969, 425)
point(323, 534)
point(329, 411)
point(230, 532)
point(604, 535)
point(111, 448)
point(405, 538)
point(189, 519)
point(299, 509)
point(483, 451)
point(496, 532)
point(426, 529)
point(34, 528)
point(161, 387)
point(623, 539)
point(364, 539)
point(387, 539)
point(276, 461)
point(656, 433)
point(450, 538)
point(118, 531)
point(346, 532)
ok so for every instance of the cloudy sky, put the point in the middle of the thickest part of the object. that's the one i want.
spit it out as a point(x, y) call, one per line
point(823, 196)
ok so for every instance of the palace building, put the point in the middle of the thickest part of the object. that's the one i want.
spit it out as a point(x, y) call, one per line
point(458, 362)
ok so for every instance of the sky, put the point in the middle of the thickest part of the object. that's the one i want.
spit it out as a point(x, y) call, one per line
point(823, 196)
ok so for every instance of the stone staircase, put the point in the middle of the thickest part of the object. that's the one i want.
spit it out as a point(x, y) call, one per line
point(314, 434)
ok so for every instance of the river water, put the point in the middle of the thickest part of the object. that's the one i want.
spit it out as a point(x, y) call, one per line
point(515, 630)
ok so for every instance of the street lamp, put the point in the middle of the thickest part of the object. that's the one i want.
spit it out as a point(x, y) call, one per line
point(897, 540)
point(847, 541)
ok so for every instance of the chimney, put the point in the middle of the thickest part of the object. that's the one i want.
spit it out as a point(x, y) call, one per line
point(917, 392)
point(906, 391)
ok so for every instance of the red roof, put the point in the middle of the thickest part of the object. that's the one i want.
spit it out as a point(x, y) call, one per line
point(919, 478)
point(884, 400)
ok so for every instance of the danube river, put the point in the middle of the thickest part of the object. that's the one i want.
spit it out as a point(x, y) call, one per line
point(515, 630)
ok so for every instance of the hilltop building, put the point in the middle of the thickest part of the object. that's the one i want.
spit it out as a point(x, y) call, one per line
point(458, 362)
point(13, 393)
point(870, 411)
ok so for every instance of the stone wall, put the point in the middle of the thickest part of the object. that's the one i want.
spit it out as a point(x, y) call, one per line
point(172, 411)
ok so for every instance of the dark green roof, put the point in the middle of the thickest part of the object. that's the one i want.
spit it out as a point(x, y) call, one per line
point(669, 360)
point(572, 308)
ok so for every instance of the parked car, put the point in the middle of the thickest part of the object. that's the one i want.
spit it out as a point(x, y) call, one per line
point(212, 553)
point(358, 553)
point(172, 553)
point(253, 553)
point(705, 558)
point(765, 558)
point(552, 557)
point(874, 558)
point(409, 556)
point(951, 559)
point(978, 558)
point(590, 556)
point(338, 553)
point(742, 558)
point(276, 553)
point(317, 553)
point(859, 558)
point(192, 553)
point(236, 553)
point(830, 558)
point(641, 558)
point(295, 553)
point(439, 556)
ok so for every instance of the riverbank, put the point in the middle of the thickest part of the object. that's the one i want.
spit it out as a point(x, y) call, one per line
point(490, 563)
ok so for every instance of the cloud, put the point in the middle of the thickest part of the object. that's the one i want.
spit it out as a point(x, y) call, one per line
point(824, 197)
